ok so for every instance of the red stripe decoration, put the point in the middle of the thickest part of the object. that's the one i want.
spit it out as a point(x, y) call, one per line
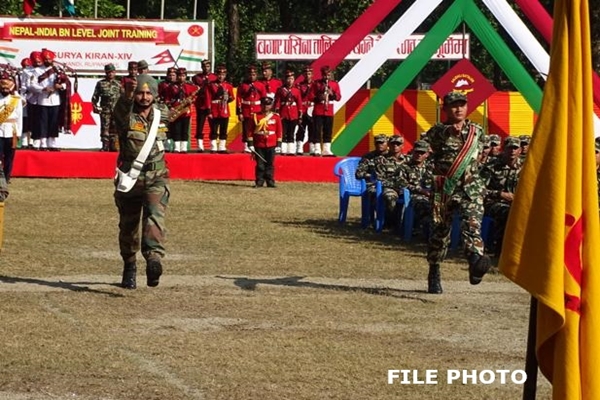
point(353, 107)
point(499, 113)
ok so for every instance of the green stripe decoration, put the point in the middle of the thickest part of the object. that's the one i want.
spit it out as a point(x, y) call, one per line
point(459, 11)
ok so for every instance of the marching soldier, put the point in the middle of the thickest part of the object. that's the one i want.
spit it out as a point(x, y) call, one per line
point(323, 93)
point(248, 103)
point(219, 94)
point(288, 103)
point(306, 123)
point(202, 79)
point(107, 92)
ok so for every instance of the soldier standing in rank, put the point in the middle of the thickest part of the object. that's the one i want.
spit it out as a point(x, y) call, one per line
point(132, 73)
point(271, 83)
point(182, 96)
point(248, 103)
point(323, 93)
point(106, 94)
point(458, 188)
point(202, 79)
point(147, 201)
point(288, 103)
point(306, 123)
point(501, 177)
point(265, 139)
point(219, 94)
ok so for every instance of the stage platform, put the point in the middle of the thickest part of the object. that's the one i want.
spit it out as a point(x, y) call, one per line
point(191, 166)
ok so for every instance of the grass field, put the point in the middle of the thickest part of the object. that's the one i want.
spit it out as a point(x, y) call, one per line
point(264, 296)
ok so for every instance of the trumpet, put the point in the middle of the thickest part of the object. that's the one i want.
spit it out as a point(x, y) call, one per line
point(326, 97)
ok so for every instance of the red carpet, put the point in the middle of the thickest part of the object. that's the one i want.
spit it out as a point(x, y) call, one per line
point(237, 166)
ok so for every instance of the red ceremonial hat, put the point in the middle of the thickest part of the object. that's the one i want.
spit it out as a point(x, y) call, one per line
point(205, 62)
point(251, 68)
point(289, 73)
point(221, 68)
point(267, 65)
point(181, 71)
point(48, 54)
point(171, 69)
point(325, 69)
point(26, 62)
point(308, 68)
point(35, 55)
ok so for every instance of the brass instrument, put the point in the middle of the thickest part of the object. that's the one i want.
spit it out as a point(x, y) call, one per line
point(183, 107)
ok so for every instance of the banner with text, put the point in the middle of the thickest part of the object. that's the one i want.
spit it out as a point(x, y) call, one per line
point(88, 45)
point(306, 46)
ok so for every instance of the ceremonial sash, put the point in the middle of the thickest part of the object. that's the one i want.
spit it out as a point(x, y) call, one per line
point(5, 113)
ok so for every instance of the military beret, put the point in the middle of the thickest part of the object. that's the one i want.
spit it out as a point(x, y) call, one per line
point(142, 64)
point(525, 138)
point(146, 82)
point(380, 138)
point(597, 144)
point(453, 96)
point(109, 67)
point(495, 139)
point(511, 141)
point(421, 145)
point(396, 139)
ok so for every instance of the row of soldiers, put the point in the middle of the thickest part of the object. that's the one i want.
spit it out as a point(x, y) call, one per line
point(305, 106)
point(500, 167)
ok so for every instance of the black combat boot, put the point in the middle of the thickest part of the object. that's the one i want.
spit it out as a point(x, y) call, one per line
point(434, 280)
point(478, 267)
point(129, 274)
point(153, 272)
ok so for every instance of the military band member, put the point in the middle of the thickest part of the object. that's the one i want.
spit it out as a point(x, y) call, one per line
point(458, 188)
point(182, 97)
point(25, 78)
point(219, 94)
point(306, 123)
point(202, 79)
point(107, 92)
point(265, 139)
point(323, 93)
point(132, 73)
point(271, 83)
point(164, 86)
point(288, 103)
point(11, 121)
point(33, 108)
point(248, 103)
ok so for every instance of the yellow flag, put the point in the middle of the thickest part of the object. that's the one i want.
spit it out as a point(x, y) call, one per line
point(552, 241)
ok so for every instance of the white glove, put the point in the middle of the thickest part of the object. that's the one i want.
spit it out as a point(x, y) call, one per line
point(251, 148)
point(278, 150)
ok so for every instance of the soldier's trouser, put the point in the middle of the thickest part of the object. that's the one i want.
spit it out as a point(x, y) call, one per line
point(307, 124)
point(105, 130)
point(247, 127)
point(265, 169)
point(323, 128)
point(148, 201)
point(201, 116)
point(289, 128)
point(470, 213)
point(499, 212)
point(218, 128)
point(390, 196)
point(179, 129)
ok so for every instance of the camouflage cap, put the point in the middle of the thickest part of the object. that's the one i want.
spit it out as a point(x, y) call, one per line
point(512, 141)
point(525, 138)
point(453, 96)
point(495, 139)
point(380, 138)
point(396, 139)
point(142, 64)
point(421, 146)
point(486, 141)
point(109, 68)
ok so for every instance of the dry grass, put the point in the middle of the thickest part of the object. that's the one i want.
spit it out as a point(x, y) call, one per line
point(264, 296)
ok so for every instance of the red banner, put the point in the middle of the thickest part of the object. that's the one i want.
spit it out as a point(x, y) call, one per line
point(465, 77)
point(88, 32)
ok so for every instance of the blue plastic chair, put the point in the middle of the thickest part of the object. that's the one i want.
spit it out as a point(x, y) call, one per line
point(349, 186)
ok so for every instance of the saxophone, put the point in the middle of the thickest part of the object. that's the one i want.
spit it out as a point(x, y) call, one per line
point(183, 107)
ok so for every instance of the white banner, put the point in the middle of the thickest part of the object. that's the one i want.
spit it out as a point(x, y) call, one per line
point(88, 45)
point(306, 46)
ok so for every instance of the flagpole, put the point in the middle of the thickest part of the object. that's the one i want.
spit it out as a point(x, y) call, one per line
point(195, 9)
point(162, 9)
point(128, 7)
point(531, 364)
point(95, 8)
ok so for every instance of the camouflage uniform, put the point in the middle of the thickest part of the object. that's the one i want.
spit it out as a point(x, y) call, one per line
point(149, 197)
point(107, 91)
point(366, 166)
point(525, 140)
point(418, 179)
point(500, 177)
point(387, 168)
point(466, 198)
